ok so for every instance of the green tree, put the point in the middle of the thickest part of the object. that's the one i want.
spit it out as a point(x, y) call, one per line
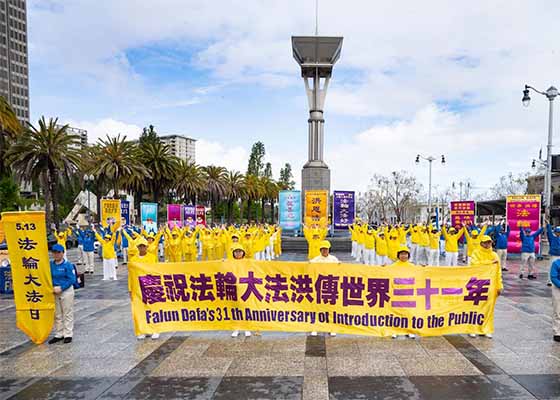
point(116, 161)
point(190, 181)
point(162, 166)
point(148, 135)
point(9, 194)
point(9, 129)
point(215, 185)
point(234, 183)
point(47, 154)
point(256, 159)
point(286, 181)
point(253, 193)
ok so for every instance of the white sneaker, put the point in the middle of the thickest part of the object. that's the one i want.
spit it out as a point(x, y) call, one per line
point(411, 336)
point(393, 336)
point(489, 335)
point(472, 335)
point(155, 336)
point(247, 333)
point(333, 333)
point(235, 334)
point(314, 333)
point(140, 337)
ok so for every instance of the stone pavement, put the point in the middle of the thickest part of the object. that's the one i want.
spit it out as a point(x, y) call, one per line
point(106, 361)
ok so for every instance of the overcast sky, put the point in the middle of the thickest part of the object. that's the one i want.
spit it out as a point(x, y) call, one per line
point(428, 77)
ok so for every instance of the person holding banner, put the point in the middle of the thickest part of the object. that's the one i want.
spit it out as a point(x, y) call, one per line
point(403, 260)
point(554, 245)
point(324, 257)
point(485, 256)
point(528, 251)
point(63, 280)
point(238, 253)
point(555, 279)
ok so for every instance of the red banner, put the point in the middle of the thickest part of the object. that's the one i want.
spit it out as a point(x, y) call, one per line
point(201, 215)
point(522, 212)
point(462, 212)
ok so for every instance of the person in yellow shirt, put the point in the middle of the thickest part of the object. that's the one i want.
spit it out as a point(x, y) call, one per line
point(403, 260)
point(141, 255)
point(414, 231)
point(247, 244)
point(238, 253)
point(369, 245)
point(353, 238)
point(314, 237)
point(423, 246)
point(62, 236)
point(393, 244)
point(173, 242)
point(484, 255)
point(473, 240)
point(451, 245)
point(133, 240)
point(433, 252)
point(188, 244)
point(278, 242)
point(109, 254)
point(381, 249)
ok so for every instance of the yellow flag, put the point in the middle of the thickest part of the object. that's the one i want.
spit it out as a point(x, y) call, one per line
point(26, 235)
point(110, 212)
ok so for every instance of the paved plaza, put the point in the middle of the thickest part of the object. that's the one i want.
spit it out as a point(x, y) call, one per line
point(106, 361)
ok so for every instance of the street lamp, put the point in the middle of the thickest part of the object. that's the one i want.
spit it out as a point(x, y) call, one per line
point(550, 94)
point(461, 184)
point(429, 159)
point(88, 180)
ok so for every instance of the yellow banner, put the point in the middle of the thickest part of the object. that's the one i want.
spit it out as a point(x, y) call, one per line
point(316, 205)
point(523, 197)
point(110, 212)
point(2, 234)
point(305, 297)
point(26, 235)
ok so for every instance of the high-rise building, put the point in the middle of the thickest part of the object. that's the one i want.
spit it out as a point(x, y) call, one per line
point(181, 146)
point(82, 133)
point(14, 71)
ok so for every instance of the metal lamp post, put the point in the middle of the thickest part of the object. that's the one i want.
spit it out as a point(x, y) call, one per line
point(429, 159)
point(461, 184)
point(88, 180)
point(550, 94)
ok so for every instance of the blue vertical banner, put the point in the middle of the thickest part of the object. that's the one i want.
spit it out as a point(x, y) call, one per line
point(344, 209)
point(148, 216)
point(125, 212)
point(289, 206)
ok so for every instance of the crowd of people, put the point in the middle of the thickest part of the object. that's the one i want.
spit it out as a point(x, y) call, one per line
point(396, 245)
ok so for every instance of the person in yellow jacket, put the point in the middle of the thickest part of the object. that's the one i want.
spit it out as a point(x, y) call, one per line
point(473, 239)
point(381, 249)
point(188, 244)
point(238, 252)
point(278, 242)
point(393, 244)
point(353, 238)
point(369, 245)
point(108, 253)
point(247, 244)
point(414, 231)
point(451, 245)
point(433, 252)
point(62, 236)
point(208, 245)
point(314, 237)
point(140, 255)
point(423, 246)
point(173, 242)
point(403, 260)
point(133, 240)
point(153, 242)
point(484, 255)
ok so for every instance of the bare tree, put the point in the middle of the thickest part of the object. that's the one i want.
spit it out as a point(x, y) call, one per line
point(510, 184)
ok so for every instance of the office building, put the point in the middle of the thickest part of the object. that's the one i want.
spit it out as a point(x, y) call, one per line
point(181, 146)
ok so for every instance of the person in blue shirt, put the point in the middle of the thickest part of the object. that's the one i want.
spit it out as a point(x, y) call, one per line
point(502, 244)
point(63, 280)
point(555, 279)
point(528, 251)
point(553, 236)
point(88, 240)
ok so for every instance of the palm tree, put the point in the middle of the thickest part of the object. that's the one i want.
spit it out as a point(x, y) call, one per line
point(189, 181)
point(234, 190)
point(9, 129)
point(161, 164)
point(46, 154)
point(272, 190)
point(215, 184)
point(116, 162)
point(253, 192)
